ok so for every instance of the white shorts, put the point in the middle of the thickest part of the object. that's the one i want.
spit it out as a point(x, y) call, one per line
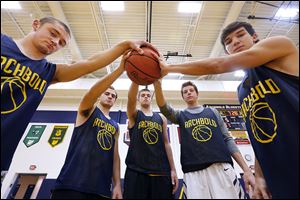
point(218, 181)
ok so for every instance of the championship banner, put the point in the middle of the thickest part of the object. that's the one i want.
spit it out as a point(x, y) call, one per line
point(57, 135)
point(34, 134)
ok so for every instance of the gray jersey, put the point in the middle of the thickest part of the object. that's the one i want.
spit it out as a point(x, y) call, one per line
point(173, 116)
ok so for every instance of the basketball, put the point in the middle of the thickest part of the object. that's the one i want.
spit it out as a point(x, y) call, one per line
point(143, 69)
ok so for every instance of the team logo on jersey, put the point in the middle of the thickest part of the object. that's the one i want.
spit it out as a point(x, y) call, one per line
point(263, 122)
point(150, 136)
point(15, 94)
point(105, 139)
point(201, 133)
point(57, 135)
point(34, 134)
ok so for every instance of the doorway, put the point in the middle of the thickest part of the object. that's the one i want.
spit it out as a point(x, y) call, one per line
point(26, 186)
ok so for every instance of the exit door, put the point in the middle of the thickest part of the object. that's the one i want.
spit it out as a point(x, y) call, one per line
point(26, 186)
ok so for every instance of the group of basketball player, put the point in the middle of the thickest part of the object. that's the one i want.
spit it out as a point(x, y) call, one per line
point(269, 97)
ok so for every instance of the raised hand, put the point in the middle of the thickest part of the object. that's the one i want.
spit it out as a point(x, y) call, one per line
point(174, 181)
point(136, 45)
point(163, 65)
point(261, 190)
point(126, 55)
point(249, 181)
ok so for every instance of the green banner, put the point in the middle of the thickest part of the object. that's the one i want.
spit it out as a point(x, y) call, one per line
point(34, 134)
point(57, 135)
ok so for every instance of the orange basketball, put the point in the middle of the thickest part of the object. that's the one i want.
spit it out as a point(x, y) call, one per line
point(143, 69)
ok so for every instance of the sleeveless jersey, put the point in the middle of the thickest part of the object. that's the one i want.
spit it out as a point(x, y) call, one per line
point(146, 153)
point(89, 163)
point(270, 107)
point(23, 84)
point(202, 142)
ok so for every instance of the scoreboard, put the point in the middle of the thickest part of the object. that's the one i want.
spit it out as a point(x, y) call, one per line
point(231, 114)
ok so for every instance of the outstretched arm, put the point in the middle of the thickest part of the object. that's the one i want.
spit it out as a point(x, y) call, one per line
point(69, 72)
point(261, 53)
point(131, 104)
point(87, 103)
point(165, 109)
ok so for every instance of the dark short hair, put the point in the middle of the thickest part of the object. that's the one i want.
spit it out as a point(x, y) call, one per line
point(234, 26)
point(52, 20)
point(111, 87)
point(189, 83)
point(143, 90)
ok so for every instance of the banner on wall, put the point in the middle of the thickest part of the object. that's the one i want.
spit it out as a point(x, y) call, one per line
point(57, 135)
point(240, 137)
point(34, 134)
point(126, 137)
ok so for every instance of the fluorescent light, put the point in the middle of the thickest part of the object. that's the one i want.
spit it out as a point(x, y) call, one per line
point(10, 5)
point(174, 74)
point(189, 7)
point(230, 85)
point(112, 5)
point(287, 12)
point(239, 73)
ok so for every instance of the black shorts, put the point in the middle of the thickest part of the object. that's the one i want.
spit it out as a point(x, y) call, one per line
point(142, 186)
point(73, 194)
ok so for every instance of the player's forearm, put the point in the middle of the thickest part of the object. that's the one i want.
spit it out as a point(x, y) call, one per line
point(241, 162)
point(258, 170)
point(170, 156)
point(132, 92)
point(69, 72)
point(96, 90)
point(106, 57)
point(160, 99)
point(132, 95)
point(201, 67)
point(105, 82)
point(116, 172)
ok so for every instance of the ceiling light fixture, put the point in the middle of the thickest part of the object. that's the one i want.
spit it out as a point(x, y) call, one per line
point(287, 13)
point(112, 5)
point(189, 7)
point(10, 5)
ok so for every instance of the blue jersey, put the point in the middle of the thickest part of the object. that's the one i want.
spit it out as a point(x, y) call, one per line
point(23, 84)
point(89, 163)
point(270, 106)
point(202, 142)
point(147, 153)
